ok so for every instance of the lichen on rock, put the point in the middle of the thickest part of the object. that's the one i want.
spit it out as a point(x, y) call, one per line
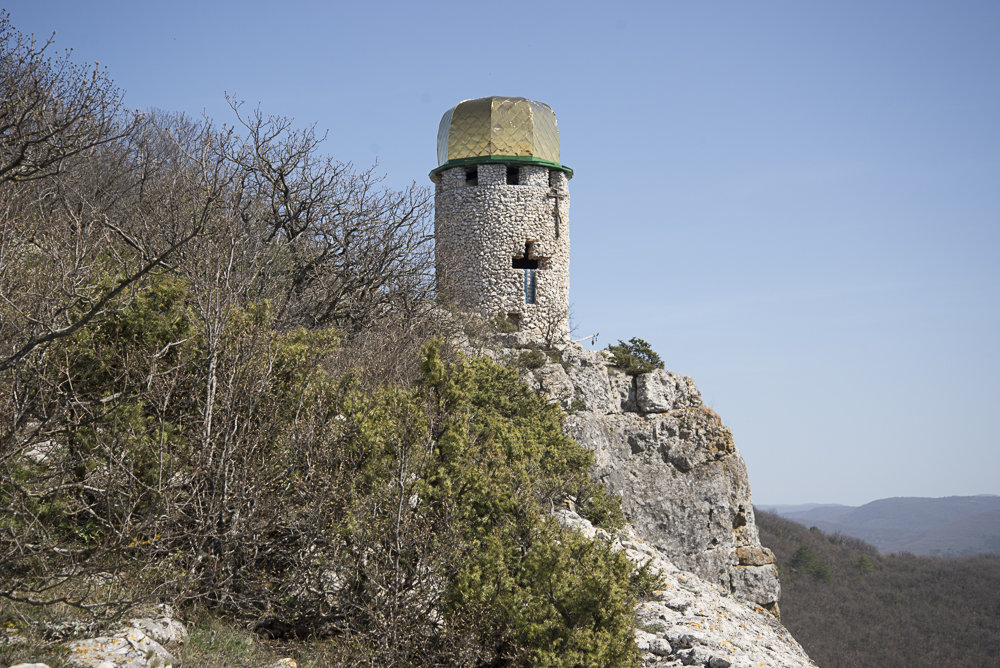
point(130, 648)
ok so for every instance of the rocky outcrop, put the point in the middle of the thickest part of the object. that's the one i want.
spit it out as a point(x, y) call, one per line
point(147, 642)
point(130, 648)
point(161, 625)
point(672, 461)
point(690, 622)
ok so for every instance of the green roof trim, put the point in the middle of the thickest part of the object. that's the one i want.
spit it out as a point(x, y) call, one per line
point(504, 159)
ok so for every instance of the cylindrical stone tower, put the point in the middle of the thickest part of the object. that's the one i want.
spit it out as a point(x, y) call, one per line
point(501, 218)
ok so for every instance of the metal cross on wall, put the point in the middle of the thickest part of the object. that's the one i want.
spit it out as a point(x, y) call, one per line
point(554, 194)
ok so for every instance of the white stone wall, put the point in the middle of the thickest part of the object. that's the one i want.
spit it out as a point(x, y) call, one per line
point(480, 228)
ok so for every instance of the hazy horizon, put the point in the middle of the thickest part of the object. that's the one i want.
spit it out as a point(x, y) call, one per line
point(758, 504)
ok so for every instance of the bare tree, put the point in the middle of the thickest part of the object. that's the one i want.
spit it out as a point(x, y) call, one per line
point(153, 271)
point(90, 212)
point(50, 107)
point(78, 189)
point(353, 251)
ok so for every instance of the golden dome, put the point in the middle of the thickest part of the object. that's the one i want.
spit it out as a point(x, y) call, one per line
point(499, 129)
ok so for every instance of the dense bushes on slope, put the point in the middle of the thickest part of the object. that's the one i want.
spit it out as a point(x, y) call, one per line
point(411, 521)
point(217, 388)
point(849, 606)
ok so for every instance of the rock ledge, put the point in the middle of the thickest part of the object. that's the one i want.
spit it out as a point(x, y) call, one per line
point(690, 622)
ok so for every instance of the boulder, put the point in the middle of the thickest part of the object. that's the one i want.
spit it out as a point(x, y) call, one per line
point(163, 629)
point(126, 649)
point(758, 584)
point(592, 386)
point(660, 391)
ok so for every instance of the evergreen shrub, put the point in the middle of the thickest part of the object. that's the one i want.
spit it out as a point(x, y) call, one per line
point(635, 357)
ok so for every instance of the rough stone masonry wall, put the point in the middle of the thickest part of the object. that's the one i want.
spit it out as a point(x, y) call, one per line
point(479, 229)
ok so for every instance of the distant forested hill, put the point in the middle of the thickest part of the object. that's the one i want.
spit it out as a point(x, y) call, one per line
point(851, 607)
point(946, 527)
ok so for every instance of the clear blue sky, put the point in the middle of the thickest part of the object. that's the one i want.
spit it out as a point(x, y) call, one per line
point(796, 203)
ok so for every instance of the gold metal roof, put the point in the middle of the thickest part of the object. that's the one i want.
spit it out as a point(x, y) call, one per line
point(498, 127)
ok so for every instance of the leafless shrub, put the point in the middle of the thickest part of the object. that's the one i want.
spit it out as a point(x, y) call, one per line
point(52, 108)
point(352, 252)
point(112, 222)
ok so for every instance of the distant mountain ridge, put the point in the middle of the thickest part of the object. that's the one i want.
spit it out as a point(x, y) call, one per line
point(851, 607)
point(949, 527)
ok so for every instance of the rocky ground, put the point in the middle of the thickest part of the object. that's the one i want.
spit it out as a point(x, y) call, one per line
point(150, 641)
point(143, 642)
point(690, 622)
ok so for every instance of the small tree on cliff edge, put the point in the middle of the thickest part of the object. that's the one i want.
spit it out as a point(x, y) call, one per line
point(635, 357)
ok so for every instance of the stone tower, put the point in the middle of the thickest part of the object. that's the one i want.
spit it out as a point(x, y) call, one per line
point(501, 218)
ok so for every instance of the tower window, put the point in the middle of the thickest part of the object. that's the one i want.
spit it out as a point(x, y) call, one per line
point(529, 286)
point(529, 265)
point(513, 175)
point(472, 176)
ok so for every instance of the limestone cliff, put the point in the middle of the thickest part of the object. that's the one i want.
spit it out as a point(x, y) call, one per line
point(689, 622)
point(683, 484)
